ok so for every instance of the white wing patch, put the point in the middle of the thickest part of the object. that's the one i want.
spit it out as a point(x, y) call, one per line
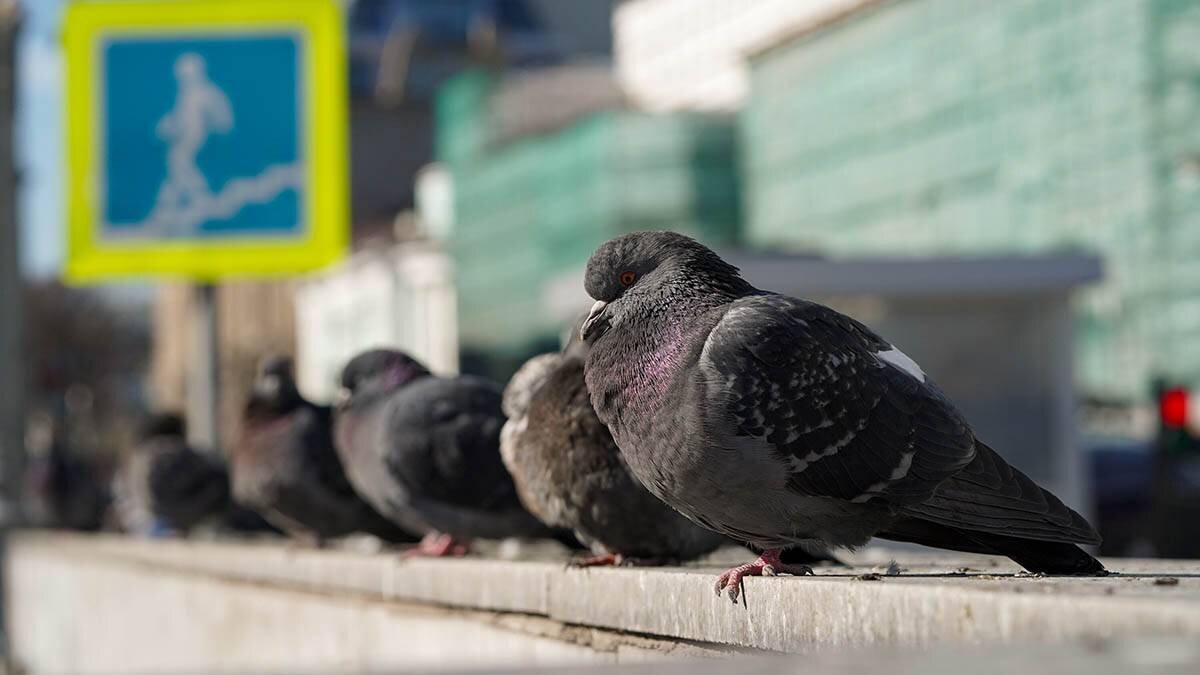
point(899, 472)
point(800, 464)
point(900, 360)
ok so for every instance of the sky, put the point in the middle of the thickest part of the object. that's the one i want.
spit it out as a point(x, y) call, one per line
point(39, 138)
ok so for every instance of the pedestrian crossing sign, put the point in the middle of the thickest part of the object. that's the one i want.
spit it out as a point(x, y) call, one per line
point(205, 138)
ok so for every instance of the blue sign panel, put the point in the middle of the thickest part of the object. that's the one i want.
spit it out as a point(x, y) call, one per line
point(206, 139)
point(197, 143)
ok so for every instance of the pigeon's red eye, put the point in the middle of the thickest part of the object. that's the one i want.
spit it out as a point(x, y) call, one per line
point(627, 279)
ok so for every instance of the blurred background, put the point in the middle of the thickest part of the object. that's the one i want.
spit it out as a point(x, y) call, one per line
point(1011, 191)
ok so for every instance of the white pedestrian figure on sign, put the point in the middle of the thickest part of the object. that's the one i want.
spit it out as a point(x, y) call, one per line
point(201, 108)
point(185, 200)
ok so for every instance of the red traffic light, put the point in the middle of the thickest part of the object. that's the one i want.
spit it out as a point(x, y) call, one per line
point(1173, 407)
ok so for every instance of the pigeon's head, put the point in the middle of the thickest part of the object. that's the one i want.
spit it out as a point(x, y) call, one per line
point(275, 381)
point(636, 267)
point(379, 370)
point(163, 424)
point(279, 366)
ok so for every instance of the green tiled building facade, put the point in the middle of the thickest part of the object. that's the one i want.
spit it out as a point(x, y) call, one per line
point(532, 209)
point(920, 127)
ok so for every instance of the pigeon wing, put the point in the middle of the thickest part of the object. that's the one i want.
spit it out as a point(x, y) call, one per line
point(855, 419)
point(314, 428)
point(992, 496)
point(185, 485)
point(847, 415)
point(445, 442)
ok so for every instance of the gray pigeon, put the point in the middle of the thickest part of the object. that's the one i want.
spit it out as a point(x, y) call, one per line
point(168, 487)
point(285, 467)
point(569, 472)
point(778, 421)
point(425, 452)
point(67, 489)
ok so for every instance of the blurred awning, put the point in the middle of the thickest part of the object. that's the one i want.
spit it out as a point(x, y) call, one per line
point(807, 275)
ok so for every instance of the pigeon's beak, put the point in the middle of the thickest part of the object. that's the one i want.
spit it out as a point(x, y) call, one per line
point(341, 397)
point(595, 319)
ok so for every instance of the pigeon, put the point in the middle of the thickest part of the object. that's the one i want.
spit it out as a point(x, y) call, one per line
point(68, 490)
point(167, 487)
point(779, 421)
point(425, 452)
point(569, 473)
point(285, 467)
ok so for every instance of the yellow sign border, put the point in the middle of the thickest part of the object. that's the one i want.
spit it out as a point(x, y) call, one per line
point(325, 240)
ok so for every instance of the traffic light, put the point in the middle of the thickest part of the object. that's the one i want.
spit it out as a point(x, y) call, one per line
point(1178, 425)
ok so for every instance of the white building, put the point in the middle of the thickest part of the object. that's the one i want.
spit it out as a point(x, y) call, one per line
point(401, 297)
point(691, 54)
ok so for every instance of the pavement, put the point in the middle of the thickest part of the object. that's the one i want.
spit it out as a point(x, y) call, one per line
point(1116, 657)
point(885, 598)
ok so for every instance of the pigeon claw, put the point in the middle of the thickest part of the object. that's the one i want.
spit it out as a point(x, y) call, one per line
point(620, 560)
point(439, 545)
point(731, 582)
point(603, 560)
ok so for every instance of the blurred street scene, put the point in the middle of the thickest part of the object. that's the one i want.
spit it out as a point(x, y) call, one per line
point(1010, 190)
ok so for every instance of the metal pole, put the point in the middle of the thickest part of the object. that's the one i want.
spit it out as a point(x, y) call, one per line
point(12, 363)
point(13, 375)
point(203, 381)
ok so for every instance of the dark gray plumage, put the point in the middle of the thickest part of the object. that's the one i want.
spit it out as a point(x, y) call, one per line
point(778, 421)
point(285, 467)
point(569, 472)
point(67, 489)
point(168, 486)
point(425, 450)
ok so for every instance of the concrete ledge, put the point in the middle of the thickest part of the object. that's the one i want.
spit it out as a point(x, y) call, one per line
point(671, 611)
point(1119, 657)
point(82, 606)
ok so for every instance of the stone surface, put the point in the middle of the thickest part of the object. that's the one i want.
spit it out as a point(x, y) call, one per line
point(838, 609)
point(1119, 657)
point(126, 619)
point(80, 608)
point(78, 600)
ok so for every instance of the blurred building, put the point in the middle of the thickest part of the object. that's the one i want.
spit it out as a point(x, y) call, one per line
point(548, 164)
point(254, 319)
point(930, 127)
point(401, 295)
point(676, 55)
point(400, 52)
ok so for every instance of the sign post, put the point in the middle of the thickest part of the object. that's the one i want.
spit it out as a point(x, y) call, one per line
point(12, 364)
point(204, 369)
point(206, 139)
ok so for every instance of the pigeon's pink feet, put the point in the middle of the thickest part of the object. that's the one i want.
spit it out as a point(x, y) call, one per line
point(767, 565)
point(620, 560)
point(439, 545)
point(603, 560)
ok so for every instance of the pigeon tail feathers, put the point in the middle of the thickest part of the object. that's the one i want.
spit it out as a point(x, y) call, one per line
point(1047, 557)
point(990, 495)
